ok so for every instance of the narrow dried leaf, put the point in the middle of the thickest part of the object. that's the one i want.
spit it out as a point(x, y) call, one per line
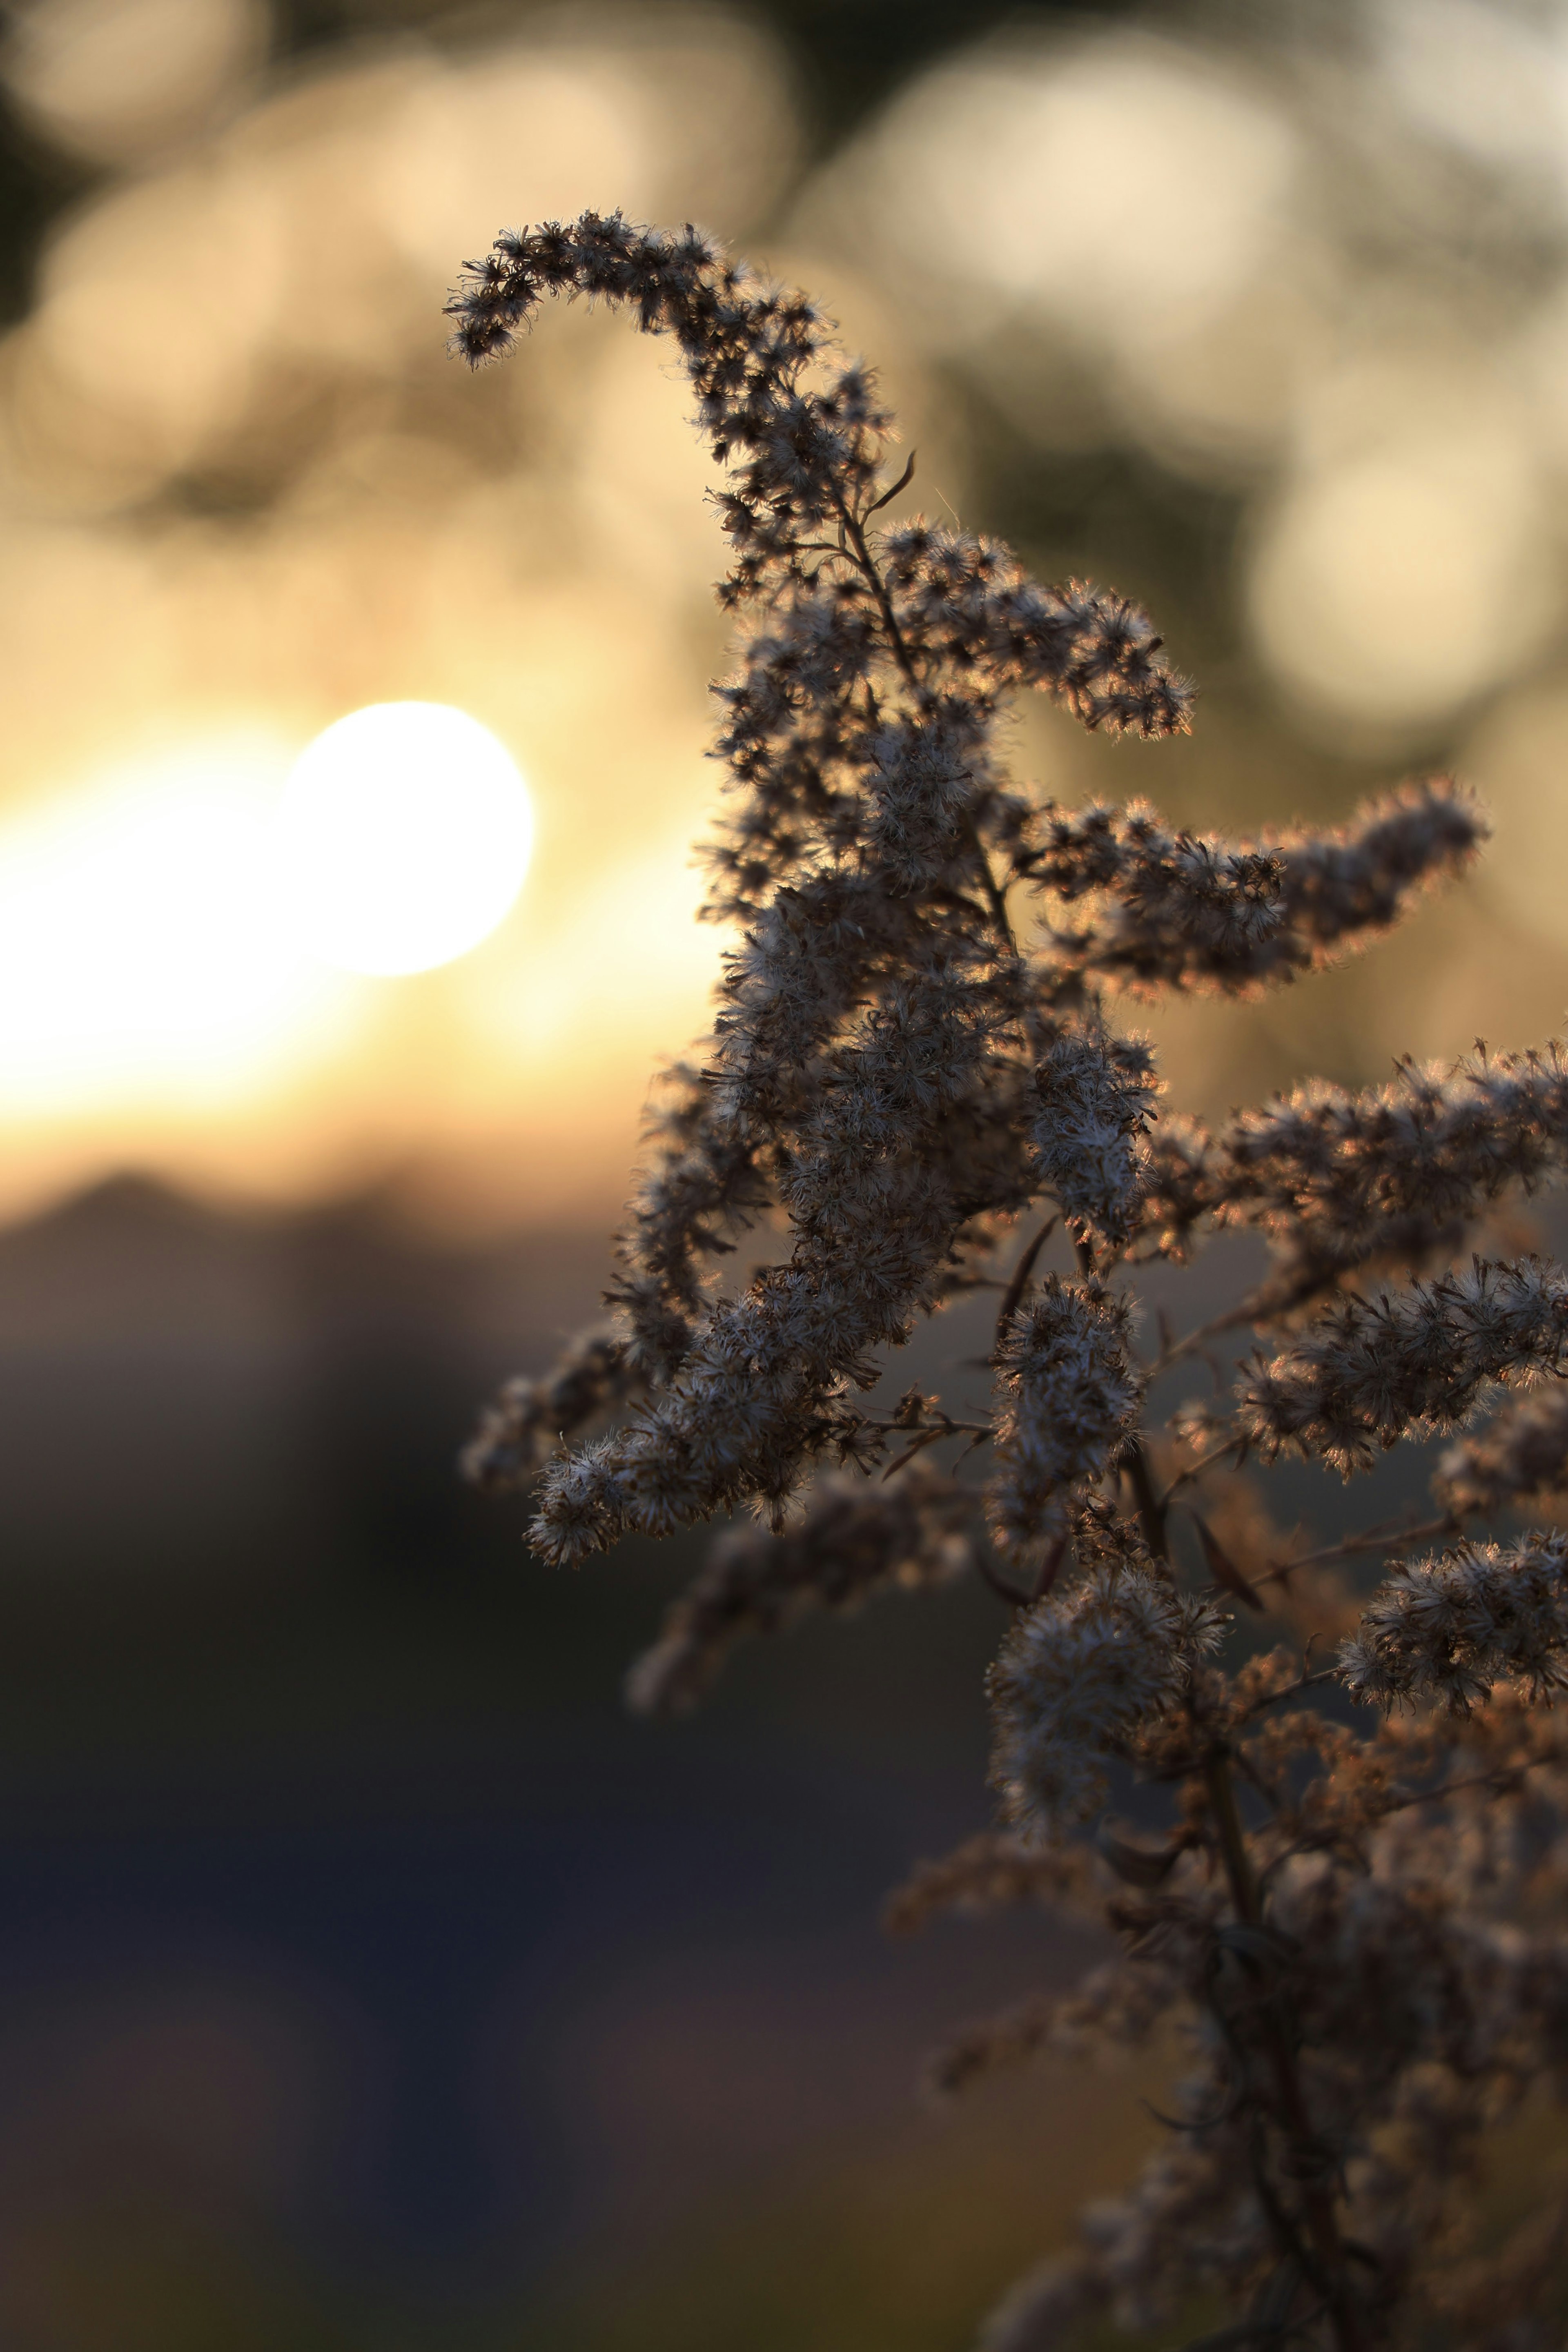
point(1138, 1865)
point(1221, 1566)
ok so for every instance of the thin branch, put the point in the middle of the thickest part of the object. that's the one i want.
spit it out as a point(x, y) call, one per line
point(999, 1585)
point(941, 1427)
point(1383, 1537)
point(1194, 1341)
point(861, 556)
point(1021, 1272)
point(1151, 1508)
point(995, 896)
point(1322, 2222)
point(1503, 1777)
point(1291, 1690)
point(854, 529)
point(1258, 1308)
point(1500, 1779)
point(1196, 1470)
point(916, 1445)
point(905, 478)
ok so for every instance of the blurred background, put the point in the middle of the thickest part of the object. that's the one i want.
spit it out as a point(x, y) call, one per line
point(364, 1979)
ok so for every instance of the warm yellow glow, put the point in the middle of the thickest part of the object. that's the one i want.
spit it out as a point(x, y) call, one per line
point(405, 833)
point(1403, 579)
point(142, 950)
point(113, 81)
point(240, 478)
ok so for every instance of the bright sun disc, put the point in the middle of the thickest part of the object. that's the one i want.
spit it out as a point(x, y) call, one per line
point(405, 833)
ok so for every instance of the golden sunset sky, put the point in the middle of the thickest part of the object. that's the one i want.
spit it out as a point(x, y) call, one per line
point(244, 491)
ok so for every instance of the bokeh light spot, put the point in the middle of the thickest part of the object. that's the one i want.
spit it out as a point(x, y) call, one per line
point(406, 834)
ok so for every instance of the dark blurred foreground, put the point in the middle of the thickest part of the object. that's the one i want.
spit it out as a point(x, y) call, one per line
point(365, 1976)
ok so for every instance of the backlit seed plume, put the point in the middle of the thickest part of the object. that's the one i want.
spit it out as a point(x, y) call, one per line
point(1450, 1628)
point(994, 1872)
point(867, 1073)
point(1077, 1677)
point(1119, 2003)
point(1097, 1097)
point(1368, 1372)
point(851, 1541)
point(1161, 910)
point(804, 437)
point(1519, 1456)
point(912, 1094)
point(1069, 1394)
point(529, 1417)
point(1338, 1179)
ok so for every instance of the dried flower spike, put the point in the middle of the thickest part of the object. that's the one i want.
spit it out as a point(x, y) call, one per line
point(1360, 1929)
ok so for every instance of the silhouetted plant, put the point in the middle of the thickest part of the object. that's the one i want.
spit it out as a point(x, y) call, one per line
point(1354, 1913)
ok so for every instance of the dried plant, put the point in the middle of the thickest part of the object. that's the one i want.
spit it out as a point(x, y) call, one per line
point(1354, 1917)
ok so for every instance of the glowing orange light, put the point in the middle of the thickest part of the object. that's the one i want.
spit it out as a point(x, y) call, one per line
point(405, 833)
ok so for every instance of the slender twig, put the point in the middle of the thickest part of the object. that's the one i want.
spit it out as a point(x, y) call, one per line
point(854, 528)
point(1291, 1690)
point(905, 478)
point(1321, 2219)
point(1257, 1308)
point(1383, 1537)
point(942, 1427)
point(861, 556)
point(999, 1584)
point(995, 896)
point(1501, 1777)
point(916, 1445)
point(1194, 1340)
point(1196, 1470)
point(1151, 1508)
point(1019, 1284)
point(977, 1431)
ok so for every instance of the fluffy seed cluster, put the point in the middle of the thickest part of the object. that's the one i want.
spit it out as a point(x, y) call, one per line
point(1076, 1678)
point(1097, 1097)
point(1368, 1372)
point(1520, 1456)
point(851, 1542)
point(1339, 1180)
point(1171, 911)
point(869, 1068)
point(868, 1071)
point(1119, 2003)
point(1449, 1628)
point(1420, 2010)
point(1070, 1395)
point(531, 1418)
point(910, 1047)
point(992, 1872)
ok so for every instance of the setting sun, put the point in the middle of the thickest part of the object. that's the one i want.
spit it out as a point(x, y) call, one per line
point(405, 832)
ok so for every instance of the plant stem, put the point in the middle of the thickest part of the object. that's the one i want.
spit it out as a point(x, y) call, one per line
point(1290, 2105)
point(1020, 1282)
point(866, 563)
point(1383, 1538)
point(1150, 1509)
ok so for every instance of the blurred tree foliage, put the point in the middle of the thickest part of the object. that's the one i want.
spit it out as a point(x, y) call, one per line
point(847, 54)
